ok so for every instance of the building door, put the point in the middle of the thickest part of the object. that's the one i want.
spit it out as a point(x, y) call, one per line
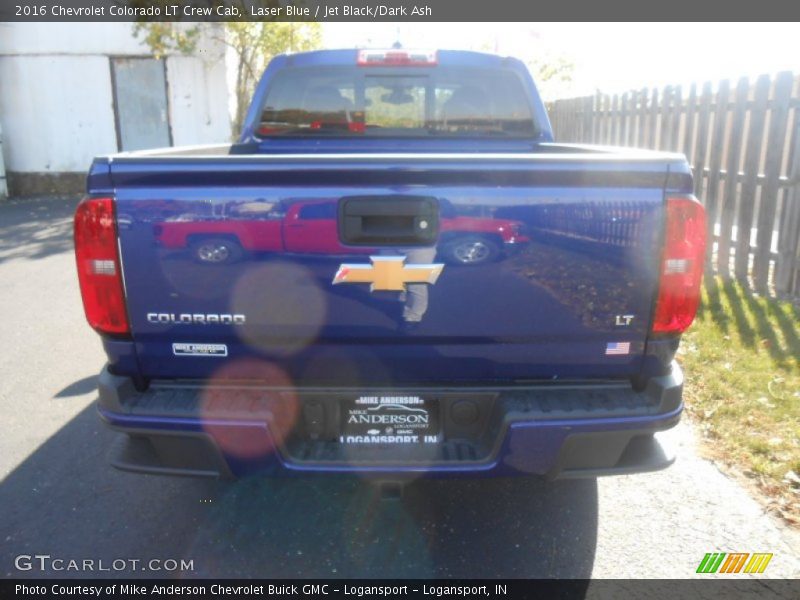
point(140, 103)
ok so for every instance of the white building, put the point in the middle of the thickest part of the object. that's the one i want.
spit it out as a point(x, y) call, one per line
point(69, 92)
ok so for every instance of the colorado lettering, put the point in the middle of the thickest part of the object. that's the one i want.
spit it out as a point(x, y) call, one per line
point(195, 318)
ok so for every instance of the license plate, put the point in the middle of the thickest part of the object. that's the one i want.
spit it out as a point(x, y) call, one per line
point(390, 420)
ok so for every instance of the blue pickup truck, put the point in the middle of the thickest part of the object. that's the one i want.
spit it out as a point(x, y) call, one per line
point(394, 272)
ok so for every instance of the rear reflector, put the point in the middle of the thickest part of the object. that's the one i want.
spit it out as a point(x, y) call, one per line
point(681, 265)
point(397, 58)
point(99, 270)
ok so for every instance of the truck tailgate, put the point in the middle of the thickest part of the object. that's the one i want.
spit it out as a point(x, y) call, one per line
point(568, 293)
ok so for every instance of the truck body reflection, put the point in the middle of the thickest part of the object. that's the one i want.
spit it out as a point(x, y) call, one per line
point(309, 227)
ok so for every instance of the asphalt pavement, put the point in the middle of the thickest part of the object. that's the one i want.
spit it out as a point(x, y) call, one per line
point(59, 497)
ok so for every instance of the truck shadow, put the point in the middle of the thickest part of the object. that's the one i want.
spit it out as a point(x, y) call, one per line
point(78, 388)
point(758, 321)
point(64, 500)
point(344, 528)
point(34, 228)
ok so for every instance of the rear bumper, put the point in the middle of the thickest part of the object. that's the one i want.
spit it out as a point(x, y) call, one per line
point(554, 431)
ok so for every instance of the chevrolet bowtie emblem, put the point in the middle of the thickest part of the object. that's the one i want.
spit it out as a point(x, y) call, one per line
point(388, 273)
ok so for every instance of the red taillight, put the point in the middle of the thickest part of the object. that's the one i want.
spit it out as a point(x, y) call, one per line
point(681, 265)
point(397, 58)
point(99, 270)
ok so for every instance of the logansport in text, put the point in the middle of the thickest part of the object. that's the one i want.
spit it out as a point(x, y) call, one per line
point(255, 590)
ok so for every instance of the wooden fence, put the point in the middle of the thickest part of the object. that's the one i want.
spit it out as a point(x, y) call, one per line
point(742, 141)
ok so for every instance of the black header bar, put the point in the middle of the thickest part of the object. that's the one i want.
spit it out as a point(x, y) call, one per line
point(400, 10)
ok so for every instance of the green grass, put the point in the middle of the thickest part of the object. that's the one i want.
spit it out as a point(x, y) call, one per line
point(742, 359)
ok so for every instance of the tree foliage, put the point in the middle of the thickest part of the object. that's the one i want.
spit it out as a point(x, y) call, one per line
point(553, 74)
point(166, 38)
point(254, 44)
point(552, 71)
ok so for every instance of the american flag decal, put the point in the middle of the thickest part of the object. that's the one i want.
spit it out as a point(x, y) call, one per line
point(618, 348)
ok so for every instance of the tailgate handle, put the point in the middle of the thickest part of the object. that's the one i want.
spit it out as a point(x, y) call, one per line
point(394, 220)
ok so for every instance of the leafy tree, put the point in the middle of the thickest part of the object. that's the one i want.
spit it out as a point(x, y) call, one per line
point(164, 38)
point(552, 70)
point(553, 74)
point(253, 43)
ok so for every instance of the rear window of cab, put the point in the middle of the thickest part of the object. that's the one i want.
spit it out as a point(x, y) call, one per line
point(442, 101)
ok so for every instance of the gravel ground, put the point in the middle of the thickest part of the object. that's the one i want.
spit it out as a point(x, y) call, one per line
point(60, 498)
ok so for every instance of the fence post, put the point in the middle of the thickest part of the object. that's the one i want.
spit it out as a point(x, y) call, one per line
point(667, 99)
point(715, 165)
point(640, 140)
point(3, 184)
point(700, 153)
point(614, 121)
point(652, 125)
point(779, 118)
point(688, 131)
point(588, 117)
point(623, 121)
point(596, 117)
point(603, 114)
point(727, 202)
point(787, 266)
point(747, 194)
